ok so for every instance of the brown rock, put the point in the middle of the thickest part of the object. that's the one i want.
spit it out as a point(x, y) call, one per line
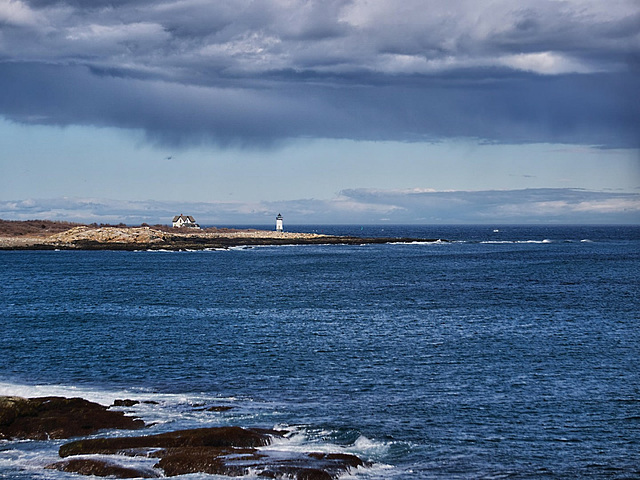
point(340, 460)
point(14, 407)
point(56, 417)
point(227, 451)
point(211, 460)
point(199, 437)
point(101, 468)
point(236, 462)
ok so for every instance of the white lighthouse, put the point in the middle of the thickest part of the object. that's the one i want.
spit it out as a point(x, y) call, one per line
point(279, 227)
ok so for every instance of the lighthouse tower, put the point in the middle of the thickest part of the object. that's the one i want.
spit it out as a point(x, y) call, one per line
point(279, 227)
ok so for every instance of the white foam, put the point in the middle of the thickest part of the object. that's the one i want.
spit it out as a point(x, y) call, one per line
point(299, 443)
point(168, 404)
point(420, 242)
point(20, 390)
point(498, 242)
point(29, 459)
point(377, 471)
point(301, 440)
point(371, 448)
point(534, 241)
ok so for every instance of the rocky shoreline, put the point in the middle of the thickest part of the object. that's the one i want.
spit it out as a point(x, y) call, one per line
point(230, 451)
point(147, 238)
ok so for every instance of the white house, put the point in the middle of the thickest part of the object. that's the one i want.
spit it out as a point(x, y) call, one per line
point(181, 220)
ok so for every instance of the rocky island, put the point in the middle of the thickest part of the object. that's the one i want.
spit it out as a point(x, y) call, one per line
point(47, 235)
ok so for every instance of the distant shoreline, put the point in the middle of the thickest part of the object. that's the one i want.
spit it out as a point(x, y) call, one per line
point(48, 235)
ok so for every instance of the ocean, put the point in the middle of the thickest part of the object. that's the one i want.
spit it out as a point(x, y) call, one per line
point(504, 352)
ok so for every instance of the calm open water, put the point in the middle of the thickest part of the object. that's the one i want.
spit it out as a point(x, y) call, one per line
point(503, 354)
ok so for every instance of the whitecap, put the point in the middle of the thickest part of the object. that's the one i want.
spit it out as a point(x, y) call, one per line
point(546, 240)
point(419, 242)
point(371, 448)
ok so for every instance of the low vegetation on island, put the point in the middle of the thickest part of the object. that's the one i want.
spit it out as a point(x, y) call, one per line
point(51, 235)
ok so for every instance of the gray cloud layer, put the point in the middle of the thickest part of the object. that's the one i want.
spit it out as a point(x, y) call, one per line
point(562, 206)
point(244, 72)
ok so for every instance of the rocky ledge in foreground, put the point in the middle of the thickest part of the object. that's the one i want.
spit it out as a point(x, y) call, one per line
point(146, 238)
point(230, 451)
point(46, 418)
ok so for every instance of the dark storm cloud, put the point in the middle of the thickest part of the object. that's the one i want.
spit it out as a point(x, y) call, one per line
point(241, 72)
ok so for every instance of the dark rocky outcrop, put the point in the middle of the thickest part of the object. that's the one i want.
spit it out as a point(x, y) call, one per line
point(57, 417)
point(230, 451)
point(236, 462)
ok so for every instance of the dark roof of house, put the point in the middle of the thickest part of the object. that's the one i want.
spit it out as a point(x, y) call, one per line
point(185, 218)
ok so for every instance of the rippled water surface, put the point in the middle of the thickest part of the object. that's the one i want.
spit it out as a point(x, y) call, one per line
point(500, 354)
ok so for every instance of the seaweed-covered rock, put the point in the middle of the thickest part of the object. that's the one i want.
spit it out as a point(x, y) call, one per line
point(57, 417)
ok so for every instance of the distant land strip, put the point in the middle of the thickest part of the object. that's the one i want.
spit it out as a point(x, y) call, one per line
point(52, 235)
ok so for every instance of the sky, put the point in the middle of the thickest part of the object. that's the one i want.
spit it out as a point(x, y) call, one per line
point(332, 111)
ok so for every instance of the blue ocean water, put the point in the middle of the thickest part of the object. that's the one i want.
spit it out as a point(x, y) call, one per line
point(507, 352)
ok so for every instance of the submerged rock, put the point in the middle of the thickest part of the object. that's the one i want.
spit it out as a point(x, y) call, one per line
point(313, 466)
point(219, 408)
point(101, 468)
point(124, 402)
point(57, 417)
